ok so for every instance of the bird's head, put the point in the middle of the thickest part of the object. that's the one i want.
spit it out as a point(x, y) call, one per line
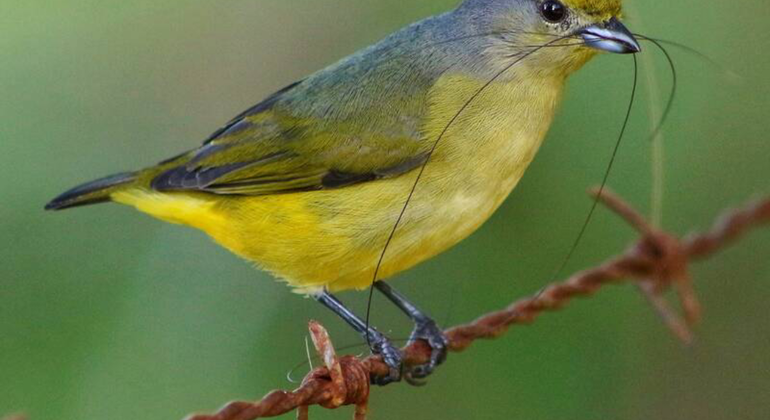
point(557, 37)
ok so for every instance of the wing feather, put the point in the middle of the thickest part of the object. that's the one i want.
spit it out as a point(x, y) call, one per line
point(356, 121)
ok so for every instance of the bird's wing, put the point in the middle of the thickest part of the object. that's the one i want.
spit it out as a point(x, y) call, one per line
point(342, 126)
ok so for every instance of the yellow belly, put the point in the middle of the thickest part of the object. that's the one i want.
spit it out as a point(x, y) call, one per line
point(333, 238)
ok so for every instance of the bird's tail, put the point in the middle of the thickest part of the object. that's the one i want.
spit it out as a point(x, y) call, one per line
point(92, 192)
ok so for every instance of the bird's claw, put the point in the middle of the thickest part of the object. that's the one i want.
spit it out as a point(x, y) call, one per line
point(434, 336)
point(392, 357)
point(427, 331)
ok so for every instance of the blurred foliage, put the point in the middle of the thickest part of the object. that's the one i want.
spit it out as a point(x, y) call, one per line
point(108, 314)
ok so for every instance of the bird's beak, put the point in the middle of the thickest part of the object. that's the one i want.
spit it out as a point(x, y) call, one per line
point(611, 36)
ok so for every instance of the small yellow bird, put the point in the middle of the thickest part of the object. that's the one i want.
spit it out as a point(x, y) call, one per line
point(412, 142)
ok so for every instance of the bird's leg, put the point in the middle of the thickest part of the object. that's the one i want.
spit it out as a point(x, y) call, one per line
point(425, 329)
point(378, 343)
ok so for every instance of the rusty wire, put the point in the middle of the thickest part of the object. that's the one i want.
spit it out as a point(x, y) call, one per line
point(658, 262)
point(15, 417)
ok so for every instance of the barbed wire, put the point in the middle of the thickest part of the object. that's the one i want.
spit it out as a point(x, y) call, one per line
point(658, 262)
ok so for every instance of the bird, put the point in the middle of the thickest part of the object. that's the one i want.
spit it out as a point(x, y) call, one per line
point(384, 159)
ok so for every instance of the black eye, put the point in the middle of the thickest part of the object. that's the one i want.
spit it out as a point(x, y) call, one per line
point(553, 11)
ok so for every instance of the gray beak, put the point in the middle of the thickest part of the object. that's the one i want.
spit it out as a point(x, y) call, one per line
point(611, 36)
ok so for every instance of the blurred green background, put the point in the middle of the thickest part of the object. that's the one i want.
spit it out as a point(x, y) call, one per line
point(108, 314)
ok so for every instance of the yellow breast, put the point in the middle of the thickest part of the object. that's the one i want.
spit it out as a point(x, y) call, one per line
point(333, 238)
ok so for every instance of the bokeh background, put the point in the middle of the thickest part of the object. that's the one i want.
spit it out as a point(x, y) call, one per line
point(108, 314)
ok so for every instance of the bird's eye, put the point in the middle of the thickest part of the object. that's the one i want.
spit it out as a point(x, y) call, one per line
point(553, 11)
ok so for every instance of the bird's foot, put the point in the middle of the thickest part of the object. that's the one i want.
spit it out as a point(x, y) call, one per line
point(390, 354)
point(429, 332)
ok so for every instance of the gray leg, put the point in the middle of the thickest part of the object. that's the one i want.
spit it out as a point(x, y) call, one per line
point(378, 343)
point(425, 329)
